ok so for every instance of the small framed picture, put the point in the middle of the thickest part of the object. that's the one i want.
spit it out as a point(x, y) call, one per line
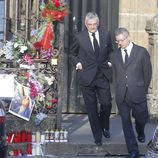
point(21, 105)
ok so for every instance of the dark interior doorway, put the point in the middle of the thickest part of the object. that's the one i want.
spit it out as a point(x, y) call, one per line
point(107, 11)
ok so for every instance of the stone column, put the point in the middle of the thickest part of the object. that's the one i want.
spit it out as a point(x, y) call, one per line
point(152, 30)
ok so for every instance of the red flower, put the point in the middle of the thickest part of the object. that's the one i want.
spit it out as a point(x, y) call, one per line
point(48, 106)
point(37, 45)
point(57, 3)
point(55, 10)
point(54, 101)
point(33, 90)
point(27, 75)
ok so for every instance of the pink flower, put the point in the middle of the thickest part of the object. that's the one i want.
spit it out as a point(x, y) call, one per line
point(46, 54)
point(33, 90)
point(28, 58)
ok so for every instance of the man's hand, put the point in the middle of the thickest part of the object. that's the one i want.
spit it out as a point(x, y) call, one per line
point(79, 66)
point(110, 64)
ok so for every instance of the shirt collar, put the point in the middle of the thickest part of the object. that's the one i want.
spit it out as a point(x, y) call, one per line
point(96, 33)
point(128, 48)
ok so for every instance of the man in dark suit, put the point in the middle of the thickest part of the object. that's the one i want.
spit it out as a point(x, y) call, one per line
point(132, 69)
point(89, 53)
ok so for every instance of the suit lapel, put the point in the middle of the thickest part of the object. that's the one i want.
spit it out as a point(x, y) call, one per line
point(88, 43)
point(119, 54)
point(132, 55)
point(101, 40)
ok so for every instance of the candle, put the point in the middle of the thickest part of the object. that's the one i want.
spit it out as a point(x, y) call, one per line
point(65, 135)
point(51, 136)
point(15, 152)
point(56, 135)
point(38, 137)
point(9, 136)
point(23, 136)
point(47, 136)
point(33, 137)
point(33, 149)
point(61, 139)
point(43, 137)
point(15, 139)
point(12, 137)
point(29, 149)
point(18, 137)
point(18, 152)
point(38, 149)
point(29, 136)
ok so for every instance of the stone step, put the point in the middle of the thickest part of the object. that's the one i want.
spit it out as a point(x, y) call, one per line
point(74, 149)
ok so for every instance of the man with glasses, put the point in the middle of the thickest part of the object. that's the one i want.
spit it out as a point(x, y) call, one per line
point(132, 70)
point(89, 53)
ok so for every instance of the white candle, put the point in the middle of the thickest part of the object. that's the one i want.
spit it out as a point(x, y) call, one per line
point(38, 149)
point(33, 137)
point(43, 137)
point(33, 149)
point(38, 137)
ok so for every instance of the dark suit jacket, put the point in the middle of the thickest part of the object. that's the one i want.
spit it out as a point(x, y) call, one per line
point(138, 71)
point(82, 51)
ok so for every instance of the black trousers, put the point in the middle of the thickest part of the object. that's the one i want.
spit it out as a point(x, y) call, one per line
point(126, 110)
point(98, 91)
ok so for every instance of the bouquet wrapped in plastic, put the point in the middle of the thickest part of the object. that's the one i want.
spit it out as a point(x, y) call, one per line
point(53, 10)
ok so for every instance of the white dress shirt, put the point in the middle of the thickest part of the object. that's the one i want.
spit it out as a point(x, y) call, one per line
point(96, 36)
point(129, 48)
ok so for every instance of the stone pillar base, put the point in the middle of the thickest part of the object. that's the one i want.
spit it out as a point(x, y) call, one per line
point(153, 107)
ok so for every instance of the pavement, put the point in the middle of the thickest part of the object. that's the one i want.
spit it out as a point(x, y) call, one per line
point(81, 143)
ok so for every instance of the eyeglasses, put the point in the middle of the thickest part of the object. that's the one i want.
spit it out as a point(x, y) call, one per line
point(121, 40)
point(92, 24)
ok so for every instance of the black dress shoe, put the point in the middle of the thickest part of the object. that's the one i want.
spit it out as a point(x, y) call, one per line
point(133, 154)
point(141, 138)
point(98, 143)
point(106, 133)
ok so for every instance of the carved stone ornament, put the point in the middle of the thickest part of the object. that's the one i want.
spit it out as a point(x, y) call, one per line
point(152, 25)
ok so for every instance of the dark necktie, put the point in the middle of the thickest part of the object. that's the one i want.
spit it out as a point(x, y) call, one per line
point(95, 44)
point(126, 56)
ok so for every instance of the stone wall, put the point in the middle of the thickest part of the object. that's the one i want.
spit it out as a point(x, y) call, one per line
point(133, 15)
point(152, 30)
point(139, 16)
point(1, 21)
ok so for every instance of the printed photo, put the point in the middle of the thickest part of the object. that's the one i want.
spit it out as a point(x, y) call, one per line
point(21, 105)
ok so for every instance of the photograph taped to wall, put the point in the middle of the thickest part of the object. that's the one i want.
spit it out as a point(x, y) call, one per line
point(21, 105)
point(7, 86)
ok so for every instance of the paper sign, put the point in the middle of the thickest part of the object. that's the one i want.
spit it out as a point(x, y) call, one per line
point(6, 86)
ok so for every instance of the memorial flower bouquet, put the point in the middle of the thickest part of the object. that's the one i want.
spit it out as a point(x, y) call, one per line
point(54, 10)
point(19, 50)
point(38, 85)
point(43, 38)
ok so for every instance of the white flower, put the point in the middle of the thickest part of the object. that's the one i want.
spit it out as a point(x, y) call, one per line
point(23, 49)
point(8, 50)
point(50, 80)
point(41, 97)
point(16, 45)
point(2, 51)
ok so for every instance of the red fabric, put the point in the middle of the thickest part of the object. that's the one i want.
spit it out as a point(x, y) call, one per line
point(47, 37)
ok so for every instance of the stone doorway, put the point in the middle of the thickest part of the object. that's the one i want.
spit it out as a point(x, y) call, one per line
point(108, 12)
